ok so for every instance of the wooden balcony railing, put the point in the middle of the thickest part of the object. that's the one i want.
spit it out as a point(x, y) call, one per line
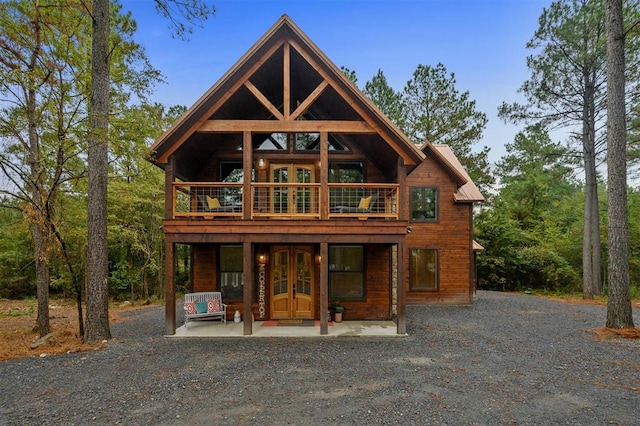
point(363, 200)
point(286, 200)
point(201, 199)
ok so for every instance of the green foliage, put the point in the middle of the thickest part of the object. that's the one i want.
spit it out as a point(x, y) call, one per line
point(386, 99)
point(17, 274)
point(531, 231)
point(430, 108)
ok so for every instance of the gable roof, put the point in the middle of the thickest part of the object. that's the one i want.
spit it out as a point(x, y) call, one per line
point(467, 191)
point(235, 83)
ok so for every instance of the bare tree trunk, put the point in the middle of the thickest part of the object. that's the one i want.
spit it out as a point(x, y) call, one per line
point(591, 266)
point(619, 312)
point(97, 325)
point(38, 231)
point(588, 234)
point(42, 281)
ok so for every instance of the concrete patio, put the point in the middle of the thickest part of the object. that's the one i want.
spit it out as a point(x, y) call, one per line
point(272, 329)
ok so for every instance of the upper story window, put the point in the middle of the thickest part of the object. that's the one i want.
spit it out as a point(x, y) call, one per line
point(307, 141)
point(272, 142)
point(346, 172)
point(300, 142)
point(424, 204)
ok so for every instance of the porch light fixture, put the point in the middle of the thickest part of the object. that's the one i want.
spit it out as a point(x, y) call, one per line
point(262, 258)
point(261, 163)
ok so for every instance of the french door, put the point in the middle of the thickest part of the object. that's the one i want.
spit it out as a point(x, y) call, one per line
point(292, 282)
point(290, 199)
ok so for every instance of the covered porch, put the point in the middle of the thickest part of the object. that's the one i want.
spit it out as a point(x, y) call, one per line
point(309, 297)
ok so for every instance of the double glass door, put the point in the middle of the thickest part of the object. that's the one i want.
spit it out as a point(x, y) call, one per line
point(289, 198)
point(292, 283)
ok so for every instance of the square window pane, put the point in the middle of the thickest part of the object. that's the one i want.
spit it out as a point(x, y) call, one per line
point(424, 203)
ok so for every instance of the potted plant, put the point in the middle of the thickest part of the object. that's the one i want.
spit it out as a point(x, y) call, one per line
point(337, 309)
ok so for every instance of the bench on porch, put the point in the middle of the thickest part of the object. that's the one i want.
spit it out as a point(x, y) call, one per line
point(206, 304)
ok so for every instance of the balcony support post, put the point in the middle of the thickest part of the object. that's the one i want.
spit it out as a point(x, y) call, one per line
point(247, 167)
point(324, 176)
point(403, 213)
point(169, 192)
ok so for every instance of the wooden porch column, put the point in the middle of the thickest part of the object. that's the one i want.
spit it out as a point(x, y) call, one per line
point(247, 166)
point(324, 288)
point(401, 302)
point(324, 175)
point(169, 287)
point(247, 285)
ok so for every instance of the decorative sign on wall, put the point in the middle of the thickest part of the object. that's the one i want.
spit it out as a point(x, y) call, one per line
point(261, 288)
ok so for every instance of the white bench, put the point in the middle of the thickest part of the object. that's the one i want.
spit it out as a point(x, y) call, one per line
point(214, 306)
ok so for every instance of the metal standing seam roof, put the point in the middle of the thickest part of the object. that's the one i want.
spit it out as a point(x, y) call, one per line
point(468, 192)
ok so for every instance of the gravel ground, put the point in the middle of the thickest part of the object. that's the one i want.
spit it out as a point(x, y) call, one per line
point(509, 359)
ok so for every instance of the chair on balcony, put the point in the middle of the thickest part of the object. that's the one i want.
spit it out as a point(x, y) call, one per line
point(365, 206)
point(212, 205)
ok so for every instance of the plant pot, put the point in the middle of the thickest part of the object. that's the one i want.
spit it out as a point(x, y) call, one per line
point(337, 317)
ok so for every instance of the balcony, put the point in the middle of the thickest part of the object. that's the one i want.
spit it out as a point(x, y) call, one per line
point(286, 200)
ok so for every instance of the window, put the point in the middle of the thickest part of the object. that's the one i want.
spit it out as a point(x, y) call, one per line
point(424, 204)
point(308, 141)
point(272, 142)
point(424, 269)
point(231, 272)
point(346, 272)
point(346, 172)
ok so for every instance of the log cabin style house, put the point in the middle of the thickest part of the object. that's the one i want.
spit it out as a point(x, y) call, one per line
point(294, 191)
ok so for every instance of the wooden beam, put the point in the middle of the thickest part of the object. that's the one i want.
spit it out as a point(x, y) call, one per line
point(247, 166)
point(286, 81)
point(310, 99)
point(235, 238)
point(247, 285)
point(401, 179)
point(277, 126)
point(169, 288)
point(401, 306)
point(221, 101)
point(263, 100)
point(324, 175)
point(384, 135)
point(169, 178)
point(324, 288)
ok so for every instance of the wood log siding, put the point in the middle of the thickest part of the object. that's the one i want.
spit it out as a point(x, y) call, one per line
point(450, 235)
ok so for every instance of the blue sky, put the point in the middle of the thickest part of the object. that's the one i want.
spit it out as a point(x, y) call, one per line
point(481, 41)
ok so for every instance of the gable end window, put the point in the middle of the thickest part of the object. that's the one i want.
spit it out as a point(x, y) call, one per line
point(424, 269)
point(424, 204)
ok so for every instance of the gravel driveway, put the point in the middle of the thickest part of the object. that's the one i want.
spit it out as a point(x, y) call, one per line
point(509, 359)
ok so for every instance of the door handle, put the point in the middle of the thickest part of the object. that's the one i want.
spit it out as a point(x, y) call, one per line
point(294, 291)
